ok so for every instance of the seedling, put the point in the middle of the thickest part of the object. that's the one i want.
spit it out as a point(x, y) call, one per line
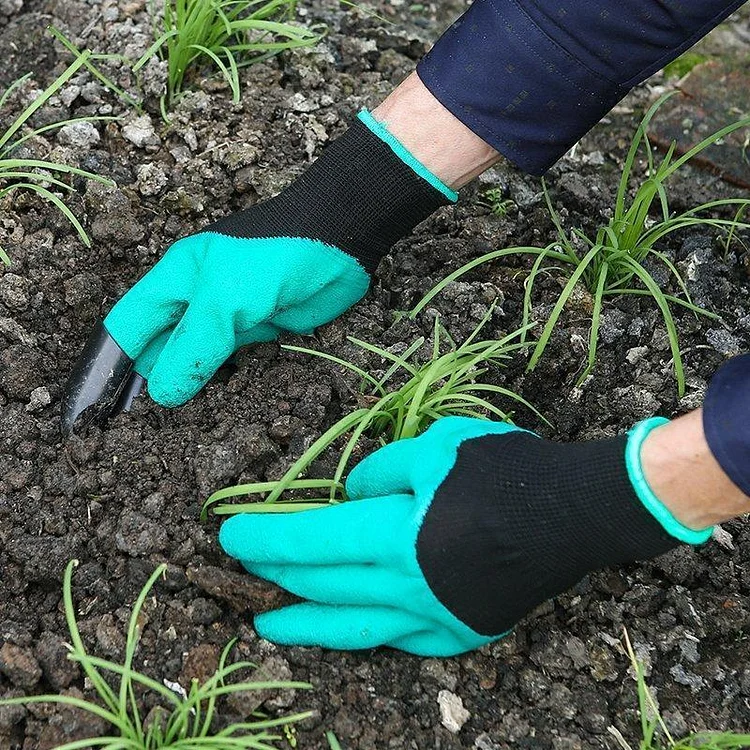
point(186, 719)
point(448, 383)
point(656, 735)
point(496, 201)
point(40, 176)
point(614, 261)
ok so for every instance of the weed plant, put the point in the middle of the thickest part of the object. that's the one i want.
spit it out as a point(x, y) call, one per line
point(447, 383)
point(656, 735)
point(498, 204)
point(229, 34)
point(40, 176)
point(187, 722)
point(615, 260)
point(226, 34)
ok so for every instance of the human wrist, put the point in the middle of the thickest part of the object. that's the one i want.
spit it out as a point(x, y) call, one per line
point(654, 462)
point(437, 138)
point(682, 471)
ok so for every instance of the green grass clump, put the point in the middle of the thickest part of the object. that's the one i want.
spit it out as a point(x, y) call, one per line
point(40, 176)
point(187, 722)
point(228, 34)
point(613, 261)
point(447, 383)
point(656, 736)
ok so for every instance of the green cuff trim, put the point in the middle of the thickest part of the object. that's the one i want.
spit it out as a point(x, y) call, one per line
point(398, 148)
point(651, 502)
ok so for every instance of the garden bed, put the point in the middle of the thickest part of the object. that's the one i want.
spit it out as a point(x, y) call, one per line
point(126, 497)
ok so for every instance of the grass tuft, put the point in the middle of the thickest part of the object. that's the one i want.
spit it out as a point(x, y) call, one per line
point(615, 260)
point(185, 721)
point(40, 176)
point(226, 34)
point(448, 383)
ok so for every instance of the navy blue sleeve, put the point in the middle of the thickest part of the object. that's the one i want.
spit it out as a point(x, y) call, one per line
point(530, 77)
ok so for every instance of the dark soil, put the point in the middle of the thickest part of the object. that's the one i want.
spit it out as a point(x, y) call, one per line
point(123, 498)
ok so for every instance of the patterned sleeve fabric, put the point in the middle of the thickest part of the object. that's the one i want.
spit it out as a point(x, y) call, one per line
point(531, 77)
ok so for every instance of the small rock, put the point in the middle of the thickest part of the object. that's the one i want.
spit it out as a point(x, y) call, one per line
point(683, 677)
point(676, 723)
point(151, 179)
point(39, 399)
point(200, 663)
point(81, 135)
point(636, 354)
point(435, 670)
point(140, 132)
point(137, 535)
point(240, 590)
point(14, 331)
point(576, 650)
point(19, 665)
point(203, 611)
point(689, 650)
point(10, 715)
point(453, 715)
point(52, 655)
point(724, 342)
point(722, 537)
point(14, 291)
point(272, 669)
point(69, 724)
point(9, 7)
point(83, 292)
point(485, 742)
point(111, 641)
point(603, 666)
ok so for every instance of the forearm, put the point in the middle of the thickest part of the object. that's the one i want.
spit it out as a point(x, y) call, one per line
point(530, 78)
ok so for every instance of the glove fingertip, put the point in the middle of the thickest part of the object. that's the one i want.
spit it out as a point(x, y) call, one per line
point(271, 626)
point(231, 536)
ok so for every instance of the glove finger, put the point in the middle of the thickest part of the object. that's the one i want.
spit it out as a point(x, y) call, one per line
point(385, 472)
point(436, 643)
point(147, 358)
point(339, 627)
point(342, 584)
point(200, 343)
point(353, 532)
point(153, 304)
point(325, 305)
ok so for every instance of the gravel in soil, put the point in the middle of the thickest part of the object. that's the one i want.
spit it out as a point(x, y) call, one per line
point(124, 498)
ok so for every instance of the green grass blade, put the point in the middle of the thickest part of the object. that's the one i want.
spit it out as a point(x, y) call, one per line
point(337, 360)
point(595, 321)
point(494, 255)
point(663, 305)
point(562, 300)
point(13, 86)
point(41, 100)
point(258, 488)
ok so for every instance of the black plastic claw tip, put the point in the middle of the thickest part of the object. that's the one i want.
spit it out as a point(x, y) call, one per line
point(101, 384)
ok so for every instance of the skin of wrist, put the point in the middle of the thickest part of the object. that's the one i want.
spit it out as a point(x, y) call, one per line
point(683, 473)
point(433, 135)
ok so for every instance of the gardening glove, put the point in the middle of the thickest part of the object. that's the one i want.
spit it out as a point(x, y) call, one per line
point(450, 538)
point(291, 263)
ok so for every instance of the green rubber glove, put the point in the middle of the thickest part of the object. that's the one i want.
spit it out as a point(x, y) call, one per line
point(451, 537)
point(292, 263)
